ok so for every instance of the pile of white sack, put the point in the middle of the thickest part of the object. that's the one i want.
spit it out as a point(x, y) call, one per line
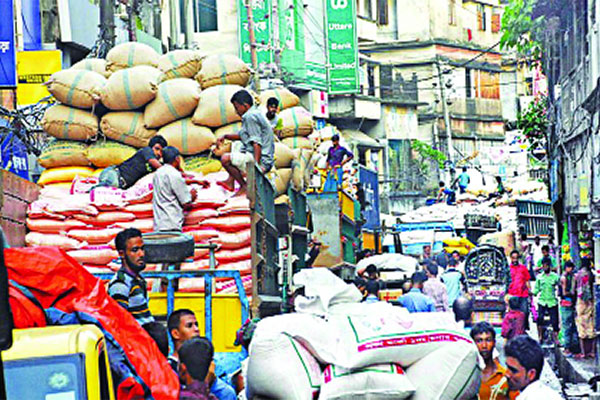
point(335, 347)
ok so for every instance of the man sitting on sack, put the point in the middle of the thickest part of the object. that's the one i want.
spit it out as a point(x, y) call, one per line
point(143, 162)
point(255, 142)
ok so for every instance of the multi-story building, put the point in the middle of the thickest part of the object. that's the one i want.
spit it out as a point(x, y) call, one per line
point(571, 42)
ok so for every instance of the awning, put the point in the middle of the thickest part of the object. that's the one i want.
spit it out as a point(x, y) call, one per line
point(359, 138)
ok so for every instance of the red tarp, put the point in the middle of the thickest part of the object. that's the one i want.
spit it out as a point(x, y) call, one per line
point(49, 274)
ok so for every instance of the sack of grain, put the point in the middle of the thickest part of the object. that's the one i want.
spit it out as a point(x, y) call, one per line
point(383, 381)
point(451, 372)
point(286, 98)
point(106, 153)
point(203, 165)
point(94, 255)
point(297, 179)
point(35, 239)
point(193, 217)
point(223, 69)
point(233, 223)
point(188, 138)
point(176, 99)
point(298, 142)
point(48, 225)
point(63, 153)
point(64, 122)
point(77, 88)
point(130, 88)
point(145, 225)
point(97, 65)
point(225, 147)
point(215, 109)
point(234, 241)
point(130, 54)
point(94, 236)
point(63, 174)
point(179, 64)
point(106, 218)
point(280, 178)
point(141, 210)
point(283, 156)
point(126, 127)
point(297, 121)
point(201, 235)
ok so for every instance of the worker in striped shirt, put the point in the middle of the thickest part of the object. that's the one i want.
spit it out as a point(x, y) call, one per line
point(127, 287)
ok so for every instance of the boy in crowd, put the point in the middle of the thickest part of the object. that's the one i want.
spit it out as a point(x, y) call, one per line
point(545, 285)
point(513, 323)
point(415, 300)
point(197, 369)
point(566, 293)
point(435, 289)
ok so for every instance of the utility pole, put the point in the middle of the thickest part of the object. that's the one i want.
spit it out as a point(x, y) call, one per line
point(185, 24)
point(275, 39)
point(252, 38)
point(107, 21)
point(446, 113)
point(131, 7)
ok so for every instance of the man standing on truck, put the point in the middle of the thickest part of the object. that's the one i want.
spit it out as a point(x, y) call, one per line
point(337, 157)
point(257, 143)
point(171, 194)
point(519, 284)
point(143, 162)
point(127, 287)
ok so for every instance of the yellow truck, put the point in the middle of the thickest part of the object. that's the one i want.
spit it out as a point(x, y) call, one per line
point(58, 363)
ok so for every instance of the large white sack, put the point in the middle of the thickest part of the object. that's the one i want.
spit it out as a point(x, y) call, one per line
point(281, 368)
point(384, 381)
point(322, 289)
point(452, 372)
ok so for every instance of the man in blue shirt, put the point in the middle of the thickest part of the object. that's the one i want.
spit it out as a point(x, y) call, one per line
point(337, 156)
point(449, 193)
point(415, 300)
point(454, 280)
point(463, 180)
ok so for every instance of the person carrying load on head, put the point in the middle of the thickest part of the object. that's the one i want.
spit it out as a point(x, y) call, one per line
point(143, 162)
point(255, 143)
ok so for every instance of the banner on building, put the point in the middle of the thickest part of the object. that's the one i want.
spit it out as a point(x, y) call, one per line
point(261, 15)
point(13, 155)
point(342, 47)
point(33, 69)
point(370, 185)
point(8, 70)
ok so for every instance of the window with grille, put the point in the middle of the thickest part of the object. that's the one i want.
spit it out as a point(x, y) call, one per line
point(481, 17)
point(205, 15)
point(382, 12)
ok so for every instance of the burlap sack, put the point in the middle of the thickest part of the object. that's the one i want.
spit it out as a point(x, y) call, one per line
point(176, 99)
point(179, 64)
point(297, 121)
point(283, 156)
point(76, 87)
point(64, 122)
point(280, 178)
point(63, 153)
point(97, 65)
point(188, 138)
point(286, 98)
point(298, 142)
point(126, 127)
point(105, 153)
point(201, 164)
point(131, 88)
point(223, 69)
point(214, 108)
point(226, 130)
point(130, 54)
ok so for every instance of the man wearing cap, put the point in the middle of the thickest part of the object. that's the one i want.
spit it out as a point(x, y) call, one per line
point(415, 300)
point(171, 194)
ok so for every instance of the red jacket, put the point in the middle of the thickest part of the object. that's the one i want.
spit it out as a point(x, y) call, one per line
point(513, 324)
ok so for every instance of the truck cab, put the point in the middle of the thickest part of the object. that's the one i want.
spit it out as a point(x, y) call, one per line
point(58, 363)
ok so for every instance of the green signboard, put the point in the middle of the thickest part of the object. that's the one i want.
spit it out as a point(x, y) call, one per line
point(314, 44)
point(261, 12)
point(342, 51)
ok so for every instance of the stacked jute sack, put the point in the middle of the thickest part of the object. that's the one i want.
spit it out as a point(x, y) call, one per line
point(109, 108)
point(336, 347)
point(83, 220)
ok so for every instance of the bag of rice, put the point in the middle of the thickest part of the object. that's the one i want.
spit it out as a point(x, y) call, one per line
point(77, 88)
point(126, 127)
point(297, 121)
point(130, 54)
point(286, 98)
point(179, 64)
point(63, 153)
point(188, 138)
point(97, 65)
point(131, 88)
point(223, 69)
point(215, 109)
point(176, 99)
point(64, 122)
point(106, 153)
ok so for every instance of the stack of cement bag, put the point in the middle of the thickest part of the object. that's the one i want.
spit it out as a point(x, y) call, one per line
point(335, 347)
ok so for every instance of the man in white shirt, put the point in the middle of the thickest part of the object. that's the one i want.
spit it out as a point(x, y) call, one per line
point(524, 363)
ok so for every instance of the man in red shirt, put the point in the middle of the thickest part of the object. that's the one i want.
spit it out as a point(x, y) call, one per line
point(519, 284)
